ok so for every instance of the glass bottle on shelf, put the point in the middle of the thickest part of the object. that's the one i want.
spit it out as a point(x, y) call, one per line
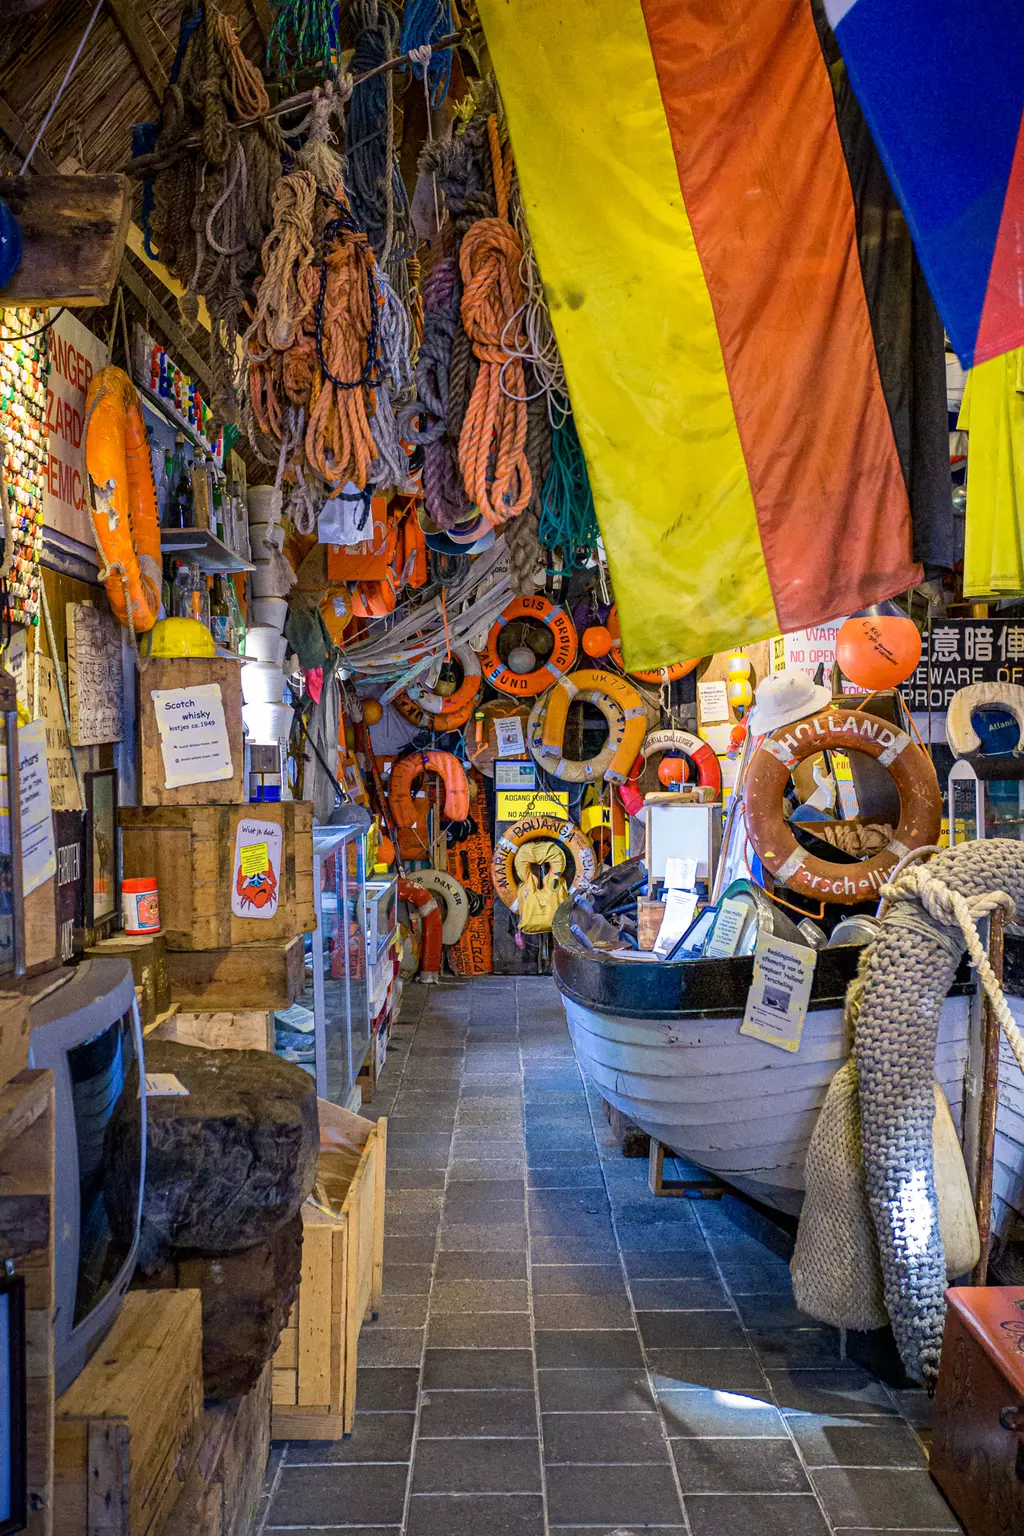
point(163, 490)
point(200, 608)
point(219, 517)
point(220, 615)
point(179, 511)
point(181, 596)
point(237, 617)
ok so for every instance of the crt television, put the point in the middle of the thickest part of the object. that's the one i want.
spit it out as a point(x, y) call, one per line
point(88, 1033)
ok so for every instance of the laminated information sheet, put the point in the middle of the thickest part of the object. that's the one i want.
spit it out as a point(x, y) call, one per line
point(780, 992)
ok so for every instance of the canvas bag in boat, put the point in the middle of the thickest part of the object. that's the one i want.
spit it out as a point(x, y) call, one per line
point(837, 1276)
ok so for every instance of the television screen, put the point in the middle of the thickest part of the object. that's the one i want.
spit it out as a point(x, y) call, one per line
point(98, 1069)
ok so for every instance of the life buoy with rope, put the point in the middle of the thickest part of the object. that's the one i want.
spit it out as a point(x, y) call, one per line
point(588, 770)
point(448, 720)
point(567, 833)
point(452, 899)
point(408, 769)
point(670, 674)
point(563, 634)
point(467, 692)
point(622, 693)
point(846, 731)
point(701, 754)
point(430, 913)
point(125, 516)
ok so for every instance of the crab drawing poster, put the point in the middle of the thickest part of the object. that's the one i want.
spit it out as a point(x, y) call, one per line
point(256, 885)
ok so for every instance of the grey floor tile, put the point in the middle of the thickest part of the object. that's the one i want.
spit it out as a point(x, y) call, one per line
point(407, 1279)
point(433, 1514)
point(581, 1349)
point(773, 1310)
point(714, 1411)
point(743, 1465)
point(390, 1346)
point(850, 1392)
point(594, 1391)
point(484, 1213)
point(634, 1496)
point(729, 1370)
point(883, 1499)
point(561, 1178)
point(478, 1296)
point(603, 1438)
point(483, 1193)
point(398, 1311)
point(372, 1495)
point(577, 1280)
point(468, 1239)
point(748, 1514)
point(572, 1250)
point(769, 1274)
point(798, 1348)
point(677, 1295)
point(408, 1250)
point(330, 1530)
point(479, 1330)
point(477, 1466)
point(690, 1330)
point(480, 1264)
point(462, 1414)
point(381, 1390)
point(667, 1263)
point(488, 1368)
point(600, 1311)
point(831, 1441)
point(376, 1437)
point(415, 1178)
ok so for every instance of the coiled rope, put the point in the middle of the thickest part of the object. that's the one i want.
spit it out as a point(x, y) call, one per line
point(303, 39)
point(568, 520)
point(424, 23)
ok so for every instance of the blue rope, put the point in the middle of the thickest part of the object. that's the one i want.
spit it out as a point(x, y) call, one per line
point(426, 21)
point(567, 518)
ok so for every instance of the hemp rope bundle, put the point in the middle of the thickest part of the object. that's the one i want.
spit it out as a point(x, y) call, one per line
point(930, 918)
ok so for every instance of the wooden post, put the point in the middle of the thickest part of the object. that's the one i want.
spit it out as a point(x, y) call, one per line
point(989, 1103)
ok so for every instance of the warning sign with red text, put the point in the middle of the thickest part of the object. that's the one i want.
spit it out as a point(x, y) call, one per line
point(75, 355)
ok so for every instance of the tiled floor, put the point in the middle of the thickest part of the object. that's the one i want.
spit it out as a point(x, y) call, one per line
point(560, 1352)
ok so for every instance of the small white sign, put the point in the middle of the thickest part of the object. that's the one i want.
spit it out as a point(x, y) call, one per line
point(680, 907)
point(164, 1085)
point(732, 915)
point(38, 848)
point(256, 886)
point(713, 700)
point(781, 990)
point(508, 731)
point(193, 735)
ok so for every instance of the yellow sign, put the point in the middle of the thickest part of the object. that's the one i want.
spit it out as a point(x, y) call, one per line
point(254, 859)
point(514, 804)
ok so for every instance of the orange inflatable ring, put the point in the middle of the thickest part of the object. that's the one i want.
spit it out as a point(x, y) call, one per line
point(430, 913)
point(125, 516)
point(467, 692)
point(622, 693)
point(503, 874)
point(447, 720)
point(708, 768)
point(846, 731)
point(662, 675)
point(408, 769)
point(525, 685)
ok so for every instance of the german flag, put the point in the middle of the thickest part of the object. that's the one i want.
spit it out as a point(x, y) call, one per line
point(693, 206)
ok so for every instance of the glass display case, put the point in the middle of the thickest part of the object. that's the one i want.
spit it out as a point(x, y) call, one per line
point(350, 989)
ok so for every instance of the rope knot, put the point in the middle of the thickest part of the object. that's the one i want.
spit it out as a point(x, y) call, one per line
point(422, 55)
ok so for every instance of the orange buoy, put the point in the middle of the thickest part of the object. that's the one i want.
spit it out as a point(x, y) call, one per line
point(878, 648)
point(373, 712)
point(597, 641)
point(673, 770)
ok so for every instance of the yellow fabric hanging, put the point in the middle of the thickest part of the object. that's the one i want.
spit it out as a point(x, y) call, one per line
point(992, 413)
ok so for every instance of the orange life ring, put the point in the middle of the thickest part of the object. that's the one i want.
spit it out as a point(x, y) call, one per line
point(702, 755)
point(629, 701)
point(847, 731)
point(430, 913)
point(447, 720)
point(662, 675)
point(567, 833)
point(125, 516)
point(408, 769)
point(525, 685)
point(467, 692)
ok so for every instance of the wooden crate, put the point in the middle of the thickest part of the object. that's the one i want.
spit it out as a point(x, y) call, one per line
point(147, 955)
point(190, 849)
point(126, 1427)
point(222, 1494)
point(245, 1031)
point(14, 1034)
point(186, 672)
point(342, 1264)
point(256, 976)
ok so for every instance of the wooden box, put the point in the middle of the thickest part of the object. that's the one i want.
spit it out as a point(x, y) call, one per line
point(244, 1031)
point(187, 672)
point(14, 1032)
point(222, 1494)
point(342, 1262)
point(147, 954)
point(649, 915)
point(190, 849)
point(125, 1428)
point(977, 1451)
point(259, 976)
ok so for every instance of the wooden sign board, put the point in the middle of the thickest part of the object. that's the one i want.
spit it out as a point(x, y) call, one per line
point(95, 676)
point(73, 231)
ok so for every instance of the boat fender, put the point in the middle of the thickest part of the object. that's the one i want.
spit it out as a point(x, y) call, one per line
point(408, 769)
point(452, 898)
point(430, 914)
point(847, 731)
point(125, 517)
point(503, 874)
point(467, 692)
point(527, 684)
point(590, 770)
point(960, 733)
point(621, 693)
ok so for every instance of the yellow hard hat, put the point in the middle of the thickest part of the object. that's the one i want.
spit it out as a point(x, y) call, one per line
point(179, 637)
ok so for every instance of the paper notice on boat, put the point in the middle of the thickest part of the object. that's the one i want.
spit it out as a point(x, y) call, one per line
point(729, 924)
point(680, 907)
point(781, 990)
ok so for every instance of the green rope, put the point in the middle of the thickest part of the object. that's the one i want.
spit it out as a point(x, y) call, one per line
point(303, 39)
point(567, 519)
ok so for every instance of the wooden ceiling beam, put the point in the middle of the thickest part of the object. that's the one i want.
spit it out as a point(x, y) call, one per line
point(264, 19)
point(185, 353)
point(21, 138)
point(142, 50)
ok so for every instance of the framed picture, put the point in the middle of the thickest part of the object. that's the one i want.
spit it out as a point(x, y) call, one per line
point(101, 872)
point(13, 1411)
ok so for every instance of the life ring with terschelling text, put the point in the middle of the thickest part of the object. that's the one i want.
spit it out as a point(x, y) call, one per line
point(846, 731)
point(125, 517)
point(563, 654)
point(567, 833)
point(622, 693)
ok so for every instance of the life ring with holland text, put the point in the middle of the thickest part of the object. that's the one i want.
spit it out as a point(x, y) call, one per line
point(847, 731)
point(125, 517)
point(563, 654)
point(567, 833)
point(622, 693)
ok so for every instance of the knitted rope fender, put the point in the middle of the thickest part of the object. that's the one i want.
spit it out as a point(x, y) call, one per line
point(931, 917)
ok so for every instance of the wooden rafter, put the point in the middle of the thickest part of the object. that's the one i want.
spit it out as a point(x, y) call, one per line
point(20, 135)
point(185, 352)
point(264, 19)
point(142, 50)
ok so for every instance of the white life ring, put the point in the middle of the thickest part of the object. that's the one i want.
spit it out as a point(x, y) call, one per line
point(591, 770)
point(451, 898)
